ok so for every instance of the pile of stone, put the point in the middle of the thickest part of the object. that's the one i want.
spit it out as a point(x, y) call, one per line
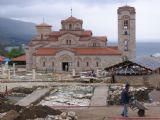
point(69, 96)
point(63, 116)
point(140, 93)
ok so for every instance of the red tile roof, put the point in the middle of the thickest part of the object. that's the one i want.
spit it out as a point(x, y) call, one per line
point(87, 33)
point(20, 58)
point(97, 51)
point(79, 51)
point(46, 51)
point(55, 33)
point(1, 58)
point(101, 38)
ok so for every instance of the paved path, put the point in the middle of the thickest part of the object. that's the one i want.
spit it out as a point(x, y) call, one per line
point(133, 118)
point(113, 113)
point(33, 97)
point(100, 96)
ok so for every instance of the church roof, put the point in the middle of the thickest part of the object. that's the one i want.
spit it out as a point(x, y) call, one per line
point(85, 36)
point(20, 58)
point(79, 51)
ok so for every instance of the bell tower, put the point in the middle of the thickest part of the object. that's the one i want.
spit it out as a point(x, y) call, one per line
point(127, 32)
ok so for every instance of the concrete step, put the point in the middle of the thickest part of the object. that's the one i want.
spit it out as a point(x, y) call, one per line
point(34, 97)
point(100, 95)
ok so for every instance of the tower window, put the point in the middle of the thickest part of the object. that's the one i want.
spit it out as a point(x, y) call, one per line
point(125, 24)
point(125, 45)
point(126, 33)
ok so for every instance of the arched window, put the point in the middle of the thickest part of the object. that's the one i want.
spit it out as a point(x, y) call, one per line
point(44, 64)
point(68, 42)
point(41, 36)
point(70, 26)
point(94, 44)
point(52, 64)
point(97, 64)
point(87, 64)
point(126, 45)
point(77, 26)
point(126, 23)
point(78, 64)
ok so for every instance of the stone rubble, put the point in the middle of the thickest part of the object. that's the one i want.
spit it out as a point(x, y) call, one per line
point(139, 93)
point(71, 115)
point(69, 96)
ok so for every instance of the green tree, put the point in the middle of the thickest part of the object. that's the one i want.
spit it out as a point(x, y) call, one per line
point(15, 52)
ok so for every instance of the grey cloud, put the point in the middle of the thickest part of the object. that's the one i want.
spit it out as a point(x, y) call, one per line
point(32, 2)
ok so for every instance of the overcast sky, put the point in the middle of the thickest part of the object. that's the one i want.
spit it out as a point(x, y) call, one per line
point(100, 16)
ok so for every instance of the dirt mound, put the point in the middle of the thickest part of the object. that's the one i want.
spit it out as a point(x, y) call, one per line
point(23, 90)
point(37, 112)
point(5, 107)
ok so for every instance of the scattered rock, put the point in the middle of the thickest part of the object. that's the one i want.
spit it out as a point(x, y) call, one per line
point(11, 115)
point(63, 115)
point(71, 114)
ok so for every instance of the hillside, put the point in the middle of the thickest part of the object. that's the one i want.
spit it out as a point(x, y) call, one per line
point(15, 32)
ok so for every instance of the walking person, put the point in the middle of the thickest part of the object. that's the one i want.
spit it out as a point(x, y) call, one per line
point(125, 100)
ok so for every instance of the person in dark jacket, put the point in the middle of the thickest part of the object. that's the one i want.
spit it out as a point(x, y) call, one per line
point(125, 100)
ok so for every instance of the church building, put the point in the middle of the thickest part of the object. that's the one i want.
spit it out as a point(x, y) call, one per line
point(73, 47)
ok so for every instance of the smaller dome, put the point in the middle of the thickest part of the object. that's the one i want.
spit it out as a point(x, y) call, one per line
point(72, 19)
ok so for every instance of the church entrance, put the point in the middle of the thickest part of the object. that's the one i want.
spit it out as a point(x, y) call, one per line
point(65, 66)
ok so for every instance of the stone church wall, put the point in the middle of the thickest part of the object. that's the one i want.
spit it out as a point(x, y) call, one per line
point(55, 62)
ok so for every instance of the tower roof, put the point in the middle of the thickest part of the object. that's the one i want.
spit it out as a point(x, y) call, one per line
point(126, 8)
